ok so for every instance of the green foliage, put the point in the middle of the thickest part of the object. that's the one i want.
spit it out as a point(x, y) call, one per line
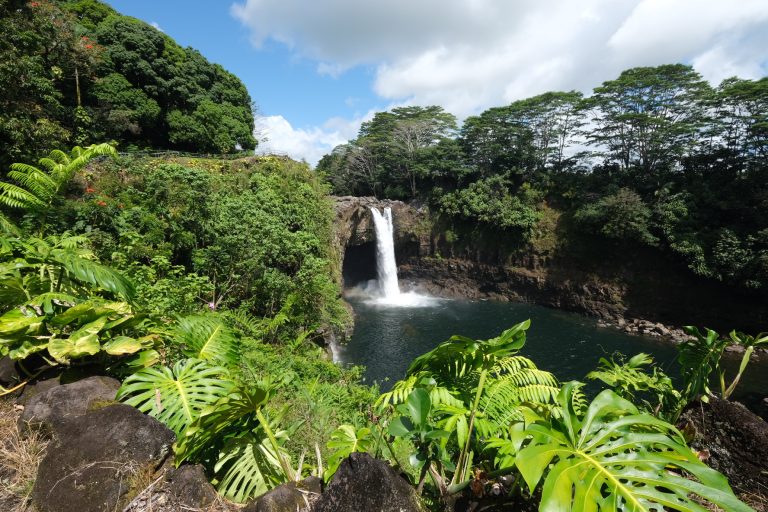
point(185, 230)
point(177, 395)
point(414, 423)
point(701, 355)
point(207, 338)
point(489, 202)
point(640, 381)
point(613, 457)
point(37, 188)
point(620, 216)
point(472, 385)
point(78, 71)
point(344, 441)
point(232, 436)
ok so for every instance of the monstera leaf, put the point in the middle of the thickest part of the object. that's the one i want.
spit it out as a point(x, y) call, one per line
point(207, 338)
point(614, 458)
point(344, 441)
point(247, 467)
point(176, 396)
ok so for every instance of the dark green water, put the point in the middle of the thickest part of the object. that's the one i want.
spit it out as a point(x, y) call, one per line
point(387, 339)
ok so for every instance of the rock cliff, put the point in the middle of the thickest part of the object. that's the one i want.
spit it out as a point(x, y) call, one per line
point(592, 277)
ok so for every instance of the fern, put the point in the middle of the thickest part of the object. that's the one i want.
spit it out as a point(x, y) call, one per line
point(637, 380)
point(35, 188)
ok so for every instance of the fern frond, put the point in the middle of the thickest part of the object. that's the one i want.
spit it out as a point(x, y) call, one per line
point(246, 322)
point(14, 196)
point(59, 156)
point(36, 182)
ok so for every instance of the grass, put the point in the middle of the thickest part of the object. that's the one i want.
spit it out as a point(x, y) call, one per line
point(20, 455)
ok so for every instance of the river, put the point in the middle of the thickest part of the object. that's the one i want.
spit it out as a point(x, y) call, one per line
point(386, 339)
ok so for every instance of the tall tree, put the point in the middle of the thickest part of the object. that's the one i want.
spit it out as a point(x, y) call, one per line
point(649, 117)
point(553, 119)
point(497, 141)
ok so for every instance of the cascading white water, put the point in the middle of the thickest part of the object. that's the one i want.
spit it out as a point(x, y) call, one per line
point(386, 267)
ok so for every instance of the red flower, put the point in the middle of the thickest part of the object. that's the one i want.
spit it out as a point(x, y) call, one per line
point(89, 190)
point(101, 203)
point(34, 4)
point(88, 46)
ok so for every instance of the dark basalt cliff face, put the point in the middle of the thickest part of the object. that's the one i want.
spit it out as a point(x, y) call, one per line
point(612, 283)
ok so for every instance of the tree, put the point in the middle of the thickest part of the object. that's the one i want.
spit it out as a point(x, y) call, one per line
point(497, 141)
point(648, 118)
point(740, 123)
point(392, 150)
point(553, 119)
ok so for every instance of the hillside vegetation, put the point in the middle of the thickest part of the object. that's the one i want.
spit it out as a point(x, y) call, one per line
point(78, 72)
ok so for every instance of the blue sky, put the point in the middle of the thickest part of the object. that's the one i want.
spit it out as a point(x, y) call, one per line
point(318, 68)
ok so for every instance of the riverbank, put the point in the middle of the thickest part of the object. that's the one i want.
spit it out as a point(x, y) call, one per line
point(581, 293)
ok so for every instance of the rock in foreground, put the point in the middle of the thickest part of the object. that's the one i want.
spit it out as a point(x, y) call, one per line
point(95, 461)
point(364, 483)
point(54, 407)
point(732, 440)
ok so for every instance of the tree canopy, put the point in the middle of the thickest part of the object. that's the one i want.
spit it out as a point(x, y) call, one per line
point(77, 71)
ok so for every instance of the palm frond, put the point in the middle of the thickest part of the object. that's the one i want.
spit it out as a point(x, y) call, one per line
point(175, 396)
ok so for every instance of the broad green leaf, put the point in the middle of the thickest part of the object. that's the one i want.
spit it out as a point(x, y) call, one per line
point(614, 458)
point(400, 427)
point(121, 345)
point(419, 406)
point(177, 395)
point(15, 322)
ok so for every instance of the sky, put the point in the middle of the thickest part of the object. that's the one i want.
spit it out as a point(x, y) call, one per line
point(318, 68)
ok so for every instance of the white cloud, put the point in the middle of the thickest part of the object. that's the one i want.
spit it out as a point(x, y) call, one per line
point(468, 55)
point(309, 144)
point(157, 26)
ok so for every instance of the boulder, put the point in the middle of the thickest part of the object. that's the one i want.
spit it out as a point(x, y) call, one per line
point(31, 390)
point(95, 461)
point(732, 440)
point(9, 376)
point(288, 497)
point(364, 483)
point(51, 409)
point(185, 488)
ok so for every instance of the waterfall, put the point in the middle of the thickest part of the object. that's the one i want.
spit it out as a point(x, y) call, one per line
point(386, 267)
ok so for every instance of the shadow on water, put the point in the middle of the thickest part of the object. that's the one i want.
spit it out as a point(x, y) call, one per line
point(387, 339)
